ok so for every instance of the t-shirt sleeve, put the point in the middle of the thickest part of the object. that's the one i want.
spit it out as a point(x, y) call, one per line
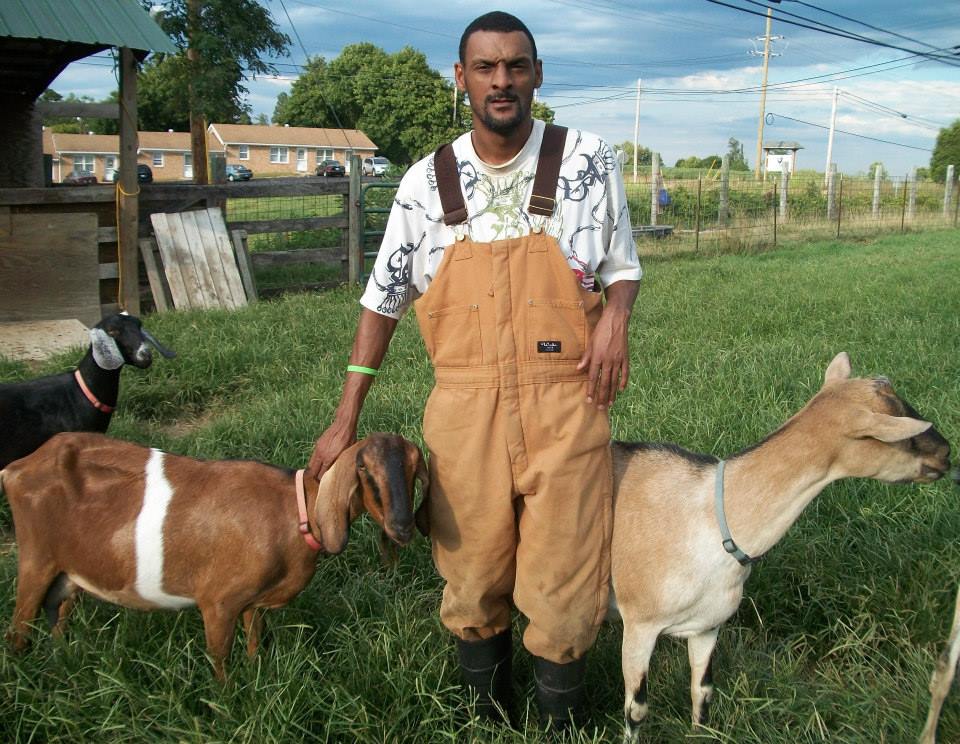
point(621, 261)
point(390, 289)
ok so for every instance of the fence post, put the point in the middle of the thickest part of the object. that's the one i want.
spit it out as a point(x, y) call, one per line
point(784, 187)
point(724, 211)
point(699, 191)
point(773, 204)
point(354, 242)
point(903, 203)
point(832, 192)
point(877, 178)
point(839, 202)
point(948, 192)
point(654, 186)
point(912, 194)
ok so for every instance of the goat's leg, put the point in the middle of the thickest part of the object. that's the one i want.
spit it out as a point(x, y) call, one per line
point(33, 580)
point(253, 629)
point(219, 621)
point(942, 678)
point(700, 652)
point(58, 602)
point(638, 643)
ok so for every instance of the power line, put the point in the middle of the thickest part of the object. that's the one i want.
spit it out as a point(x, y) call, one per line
point(771, 118)
point(824, 28)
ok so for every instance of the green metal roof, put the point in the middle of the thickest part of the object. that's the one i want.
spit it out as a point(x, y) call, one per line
point(116, 23)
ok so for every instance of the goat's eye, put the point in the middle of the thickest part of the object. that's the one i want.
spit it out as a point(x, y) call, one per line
point(362, 468)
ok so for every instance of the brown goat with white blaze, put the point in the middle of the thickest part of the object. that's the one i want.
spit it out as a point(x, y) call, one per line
point(149, 530)
point(674, 570)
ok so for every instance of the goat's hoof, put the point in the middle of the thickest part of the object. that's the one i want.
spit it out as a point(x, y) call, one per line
point(631, 729)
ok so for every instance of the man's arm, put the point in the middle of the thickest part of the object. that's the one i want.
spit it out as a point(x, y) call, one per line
point(370, 344)
point(607, 355)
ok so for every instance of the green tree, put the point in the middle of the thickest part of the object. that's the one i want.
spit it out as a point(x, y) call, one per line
point(945, 152)
point(231, 38)
point(872, 170)
point(542, 111)
point(646, 157)
point(738, 161)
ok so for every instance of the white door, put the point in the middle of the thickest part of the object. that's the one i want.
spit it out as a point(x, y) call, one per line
point(301, 160)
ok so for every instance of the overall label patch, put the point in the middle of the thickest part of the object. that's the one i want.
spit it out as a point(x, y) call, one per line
point(548, 347)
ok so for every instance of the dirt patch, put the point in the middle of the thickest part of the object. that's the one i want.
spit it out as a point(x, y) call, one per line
point(184, 426)
point(36, 340)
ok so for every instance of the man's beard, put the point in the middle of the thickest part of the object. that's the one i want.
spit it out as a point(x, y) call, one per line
point(500, 125)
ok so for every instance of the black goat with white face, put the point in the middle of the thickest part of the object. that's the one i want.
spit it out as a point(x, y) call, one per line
point(33, 411)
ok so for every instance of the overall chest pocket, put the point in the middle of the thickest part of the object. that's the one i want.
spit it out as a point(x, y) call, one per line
point(555, 329)
point(455, 336)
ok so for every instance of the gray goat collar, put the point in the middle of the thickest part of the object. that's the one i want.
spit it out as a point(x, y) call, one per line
point(728, 544)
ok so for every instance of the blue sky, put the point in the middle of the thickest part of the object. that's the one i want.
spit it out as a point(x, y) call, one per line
point(689, 54)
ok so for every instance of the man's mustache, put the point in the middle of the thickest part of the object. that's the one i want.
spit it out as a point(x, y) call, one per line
point(495, 97)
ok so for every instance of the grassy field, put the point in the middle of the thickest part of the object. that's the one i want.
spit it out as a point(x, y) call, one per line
point(834, 642)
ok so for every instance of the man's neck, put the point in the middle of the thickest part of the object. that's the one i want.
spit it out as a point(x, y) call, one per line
point(496, 149)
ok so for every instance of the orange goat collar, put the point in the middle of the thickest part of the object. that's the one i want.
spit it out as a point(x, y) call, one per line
point(103, 407)
point(304, 520)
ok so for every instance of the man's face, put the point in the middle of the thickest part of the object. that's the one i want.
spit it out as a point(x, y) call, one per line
point(499, 75)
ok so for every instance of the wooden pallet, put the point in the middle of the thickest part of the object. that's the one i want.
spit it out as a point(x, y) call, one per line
point(200, 264)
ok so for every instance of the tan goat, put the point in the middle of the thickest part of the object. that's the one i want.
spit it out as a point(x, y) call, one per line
point(149, 530)
point(676, 572)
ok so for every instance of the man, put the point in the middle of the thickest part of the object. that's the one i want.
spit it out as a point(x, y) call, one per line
point(503, 239)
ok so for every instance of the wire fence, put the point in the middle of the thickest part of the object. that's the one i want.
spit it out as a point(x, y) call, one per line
point(693, 211)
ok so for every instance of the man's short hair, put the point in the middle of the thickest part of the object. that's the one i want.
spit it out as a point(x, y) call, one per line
point(498, 21)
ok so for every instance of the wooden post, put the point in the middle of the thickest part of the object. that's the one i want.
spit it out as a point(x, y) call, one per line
point(354, 237)
point(948, 192)
point(839, 202)
point(724, 211)
point(877, 178)
point(903, 205)
point(699, 191)
point(198, 126)
point(831, 192)
point(774, 205)
point(128, 293)
point(784, 186)
point(654, 186)
point(912, 194)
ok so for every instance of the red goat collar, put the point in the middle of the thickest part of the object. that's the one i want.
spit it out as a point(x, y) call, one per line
point(103, 407)
point(304, 520)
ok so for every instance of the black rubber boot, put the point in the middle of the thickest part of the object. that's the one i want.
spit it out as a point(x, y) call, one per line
point(560, 692)
point(486, 667)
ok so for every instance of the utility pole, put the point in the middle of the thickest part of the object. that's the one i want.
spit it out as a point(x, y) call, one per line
point(833, 125)
point(454, 103)
point(763, 89)
point(198, 128)
point(636, 134)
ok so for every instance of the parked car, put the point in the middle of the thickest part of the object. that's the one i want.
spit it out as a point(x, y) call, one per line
point(375, 166)
point(80, 178)
point(144, 174)
point(330, 168)
point(239, 173)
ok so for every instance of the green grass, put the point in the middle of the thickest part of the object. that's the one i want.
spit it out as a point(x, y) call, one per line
point(835, 640)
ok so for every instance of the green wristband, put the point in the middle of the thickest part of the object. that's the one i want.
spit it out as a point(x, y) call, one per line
point(362, 370)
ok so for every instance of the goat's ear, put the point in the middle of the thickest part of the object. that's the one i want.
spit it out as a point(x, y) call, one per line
point(422, 516)
point(338, 501)
point(839, 368)
point(891, 428)
point(106, 353)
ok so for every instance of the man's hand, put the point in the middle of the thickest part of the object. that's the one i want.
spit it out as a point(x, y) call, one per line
point(331, 443)
point(607, 356)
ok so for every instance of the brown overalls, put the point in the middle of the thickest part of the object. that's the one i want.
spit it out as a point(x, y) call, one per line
point(521, 474)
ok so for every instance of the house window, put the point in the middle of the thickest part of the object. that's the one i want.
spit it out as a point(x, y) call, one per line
point(84, 164)
point(188, 165)
point(279, 155)
point(324, 154)
point(158, 160)
point(244, 152)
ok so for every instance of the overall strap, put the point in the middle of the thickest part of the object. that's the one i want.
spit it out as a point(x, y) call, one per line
point(448, 183)
point(544, 196)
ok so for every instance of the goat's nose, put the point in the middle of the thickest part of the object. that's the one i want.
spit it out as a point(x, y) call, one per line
point(404, 534)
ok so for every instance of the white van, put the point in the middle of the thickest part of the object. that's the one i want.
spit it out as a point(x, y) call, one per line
point(376, 166)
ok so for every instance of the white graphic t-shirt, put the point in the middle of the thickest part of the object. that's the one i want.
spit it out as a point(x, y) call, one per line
point(591, 221)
